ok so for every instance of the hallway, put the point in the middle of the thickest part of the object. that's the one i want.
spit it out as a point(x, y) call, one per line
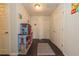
point(39, 29)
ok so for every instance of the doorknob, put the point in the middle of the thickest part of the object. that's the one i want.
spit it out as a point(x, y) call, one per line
point(6, 32)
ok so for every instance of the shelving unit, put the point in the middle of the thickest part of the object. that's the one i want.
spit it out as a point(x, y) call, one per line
point(24, 38)
point(28, 48)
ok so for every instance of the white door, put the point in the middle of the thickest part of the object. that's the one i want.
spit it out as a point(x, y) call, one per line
point(35, 28)
point(4, 38)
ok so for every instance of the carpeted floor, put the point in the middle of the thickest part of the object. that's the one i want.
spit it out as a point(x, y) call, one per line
point(44, 50)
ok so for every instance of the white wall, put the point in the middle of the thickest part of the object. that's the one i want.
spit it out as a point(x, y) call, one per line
point(14, 25)
point(41, 30)
point(65, 29)
point(71, 31)
point(20, 9)
point(56, 25)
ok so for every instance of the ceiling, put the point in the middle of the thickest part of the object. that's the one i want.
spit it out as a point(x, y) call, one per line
point(45, 8)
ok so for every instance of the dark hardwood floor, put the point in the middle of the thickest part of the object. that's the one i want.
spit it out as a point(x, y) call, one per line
point(33, 50)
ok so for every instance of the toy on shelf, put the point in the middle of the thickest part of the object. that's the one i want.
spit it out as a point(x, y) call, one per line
point(24, 28)
point(75, 8)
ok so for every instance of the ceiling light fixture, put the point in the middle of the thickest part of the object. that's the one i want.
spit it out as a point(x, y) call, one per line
point(37, 6)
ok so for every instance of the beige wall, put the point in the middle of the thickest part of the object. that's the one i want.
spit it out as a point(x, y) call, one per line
point(14, 25)
point(41, 30)
point(65, 29)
